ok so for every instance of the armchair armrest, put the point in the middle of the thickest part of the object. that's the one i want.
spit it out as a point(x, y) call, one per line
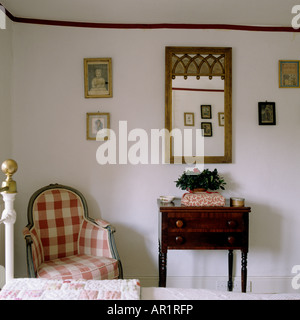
point(101, 223)
point(34, 255)
point(104, 224)
point(96, 238)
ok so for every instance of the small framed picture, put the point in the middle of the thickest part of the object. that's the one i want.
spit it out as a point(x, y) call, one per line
point(206, 111)
point(207, 129)
point(289, 74)
point(189, 119)
point(221, 118)
point(266, 113)
point(97, 78)
point(95, 123)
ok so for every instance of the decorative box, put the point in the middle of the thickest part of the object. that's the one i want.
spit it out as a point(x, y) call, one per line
point(203, 199)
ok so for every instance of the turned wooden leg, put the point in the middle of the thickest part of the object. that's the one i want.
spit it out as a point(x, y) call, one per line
point(162, 268)
point(230, 264)
point(244, 271)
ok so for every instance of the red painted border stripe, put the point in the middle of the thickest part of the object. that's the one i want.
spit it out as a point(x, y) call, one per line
point(148, 26)
point(192, 89)
point(8, 14)
point(154, 26)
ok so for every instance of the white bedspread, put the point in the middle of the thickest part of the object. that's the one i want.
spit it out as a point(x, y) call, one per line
point(43, 289)
point(203, 294)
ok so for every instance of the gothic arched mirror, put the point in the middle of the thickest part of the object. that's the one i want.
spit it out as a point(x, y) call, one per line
point(198, 105)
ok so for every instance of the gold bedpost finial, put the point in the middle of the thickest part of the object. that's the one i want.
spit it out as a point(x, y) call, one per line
point(9, 167)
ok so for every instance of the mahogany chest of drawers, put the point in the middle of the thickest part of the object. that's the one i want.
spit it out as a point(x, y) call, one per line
point(203, 228)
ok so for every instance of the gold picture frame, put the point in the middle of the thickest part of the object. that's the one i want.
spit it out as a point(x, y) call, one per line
point(221, 118)
point(95, 122)
point(189, 119)
point(289, 73)
point(97, 77)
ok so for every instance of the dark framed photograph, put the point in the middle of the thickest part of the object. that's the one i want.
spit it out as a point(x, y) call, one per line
point(97, 78)
point(266, 113)
point(189, 118)
point(206, 111)
point(289, 74)
point(207, 129)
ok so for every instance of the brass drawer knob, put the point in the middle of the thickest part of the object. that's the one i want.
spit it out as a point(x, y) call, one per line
point(179, 223)
point(231, 223)
point(231, 240)
point(179, 240)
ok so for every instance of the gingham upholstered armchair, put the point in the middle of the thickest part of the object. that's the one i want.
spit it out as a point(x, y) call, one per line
point(63, 242)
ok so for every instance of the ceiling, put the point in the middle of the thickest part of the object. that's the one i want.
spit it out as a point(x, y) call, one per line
point(237, 12)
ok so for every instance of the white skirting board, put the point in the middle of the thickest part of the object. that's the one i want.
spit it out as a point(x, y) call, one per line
point(254, 284)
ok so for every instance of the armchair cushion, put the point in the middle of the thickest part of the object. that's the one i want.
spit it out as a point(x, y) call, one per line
point(80, 267)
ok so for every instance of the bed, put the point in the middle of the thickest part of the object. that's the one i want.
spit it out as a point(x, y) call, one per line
point(43, 289)
point(154, 293)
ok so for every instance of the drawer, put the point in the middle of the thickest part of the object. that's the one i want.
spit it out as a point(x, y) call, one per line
point(206, 240)
point(207, 223)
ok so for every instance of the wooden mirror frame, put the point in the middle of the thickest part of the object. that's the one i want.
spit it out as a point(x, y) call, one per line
point(227, 52)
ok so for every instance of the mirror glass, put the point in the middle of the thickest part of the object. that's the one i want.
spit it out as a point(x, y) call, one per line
point(198, 96)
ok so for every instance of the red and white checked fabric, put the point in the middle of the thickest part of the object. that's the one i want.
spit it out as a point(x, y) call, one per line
point(93, 242)
point(80, 267)
point(36, 247)
point(57, 216)
point(64, 244)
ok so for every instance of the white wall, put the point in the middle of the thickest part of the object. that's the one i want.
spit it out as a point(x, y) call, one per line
point(5, 89)
point(49, 144)
point(5, 108)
